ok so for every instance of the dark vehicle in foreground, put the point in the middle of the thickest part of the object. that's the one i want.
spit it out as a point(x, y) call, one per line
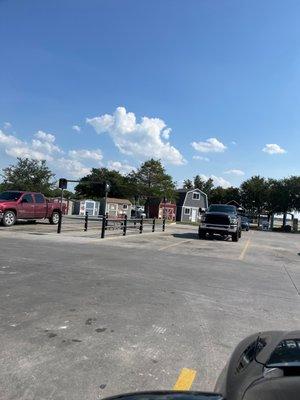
point(32, 206)
point(221, 219)
point(264, 366)
point(245, 223)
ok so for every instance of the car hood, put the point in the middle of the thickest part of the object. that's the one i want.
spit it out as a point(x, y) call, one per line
point(220, 213)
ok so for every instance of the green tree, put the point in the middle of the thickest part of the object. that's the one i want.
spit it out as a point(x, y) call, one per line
point(232, 193)
point(57, 193)
point(224, 195)
point(28, 174)
point(151, 180)
point(217, 195)
point(188, 184)
point(284, 195)
point(255, 194)
point(119, 184)
point(294, 190)
point(2, 187)
point(204, 185)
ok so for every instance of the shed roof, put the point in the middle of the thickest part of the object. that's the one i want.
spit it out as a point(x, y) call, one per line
point(190, 190)
point(118, 201)
point(235, 203)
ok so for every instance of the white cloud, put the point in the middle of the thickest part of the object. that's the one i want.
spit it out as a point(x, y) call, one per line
point(7, 125)
point(15, 147)
point(211, 145)
point(218, 180)
point(43, 147)
point(123, 168)
point(201, 158)
point(234, 142)
point(47, 137)
point(237, 172)
point(45, 143)
point(273, 148)
point(27, 152)
point(76, 128)
point(9, 140)
point(95, 155)
point(141, 140)
point(40, 149)
point(72, 168)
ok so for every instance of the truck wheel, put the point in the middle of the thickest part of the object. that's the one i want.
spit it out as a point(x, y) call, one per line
point(235, 237)
point(54, 218)
point(202, 235)
point(9, 218)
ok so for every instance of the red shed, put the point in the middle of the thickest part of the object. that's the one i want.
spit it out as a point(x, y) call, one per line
point(159, 209)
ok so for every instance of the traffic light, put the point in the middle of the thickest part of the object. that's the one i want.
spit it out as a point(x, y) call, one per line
point(63, 183)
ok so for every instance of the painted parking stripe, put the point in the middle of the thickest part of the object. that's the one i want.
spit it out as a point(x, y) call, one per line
point(174, 244)
point(242, 255)
point(185, 379)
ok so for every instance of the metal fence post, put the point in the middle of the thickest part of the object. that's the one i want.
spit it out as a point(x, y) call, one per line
point(106, 219)
point(103, 227)
point(164, 224)
point(86, 221)
point(153, 225)
point(59, 223)
point(141, 224)
point(125, 225)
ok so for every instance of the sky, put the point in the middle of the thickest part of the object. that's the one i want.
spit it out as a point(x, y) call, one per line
point(209, 87)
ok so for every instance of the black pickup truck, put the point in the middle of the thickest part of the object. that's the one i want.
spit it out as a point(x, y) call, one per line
point(221, 219)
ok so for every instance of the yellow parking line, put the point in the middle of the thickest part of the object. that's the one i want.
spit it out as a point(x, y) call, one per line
point(242, 255)
point(173, 244)
point(185, 379)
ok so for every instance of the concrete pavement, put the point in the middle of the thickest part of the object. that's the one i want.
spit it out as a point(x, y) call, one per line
point(83, 318)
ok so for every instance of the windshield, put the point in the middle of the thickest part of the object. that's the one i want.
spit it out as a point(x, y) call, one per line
point(10, 196)
point(222, 208)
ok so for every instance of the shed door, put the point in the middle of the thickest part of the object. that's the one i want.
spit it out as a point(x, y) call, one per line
point(194, 214)
point(90, 207)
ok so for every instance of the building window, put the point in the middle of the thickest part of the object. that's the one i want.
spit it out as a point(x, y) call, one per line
point(187, 211)
point(196, 196)
point(125, 206)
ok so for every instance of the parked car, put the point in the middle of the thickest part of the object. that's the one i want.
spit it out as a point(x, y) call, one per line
point(138, 212)
point(245, 223)
point(221, 219)
point(16, 205)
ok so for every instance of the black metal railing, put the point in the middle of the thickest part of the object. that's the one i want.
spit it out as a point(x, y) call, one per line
point(106, 224)
point(131, 224)
point(69, 223)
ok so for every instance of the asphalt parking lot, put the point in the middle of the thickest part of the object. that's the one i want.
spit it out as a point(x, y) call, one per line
point(84, 318)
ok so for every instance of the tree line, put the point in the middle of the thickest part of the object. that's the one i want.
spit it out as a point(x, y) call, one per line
point(257, 195)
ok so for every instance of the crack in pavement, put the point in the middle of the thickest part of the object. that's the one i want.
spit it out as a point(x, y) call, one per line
point(291, 279)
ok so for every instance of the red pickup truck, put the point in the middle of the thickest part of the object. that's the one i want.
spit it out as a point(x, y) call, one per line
point(16, 205)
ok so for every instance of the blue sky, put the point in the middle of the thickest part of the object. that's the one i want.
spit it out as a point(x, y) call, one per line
point(217, 84)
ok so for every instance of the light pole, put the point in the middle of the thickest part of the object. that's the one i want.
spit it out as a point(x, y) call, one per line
point(164, 209)
point(107, 189)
